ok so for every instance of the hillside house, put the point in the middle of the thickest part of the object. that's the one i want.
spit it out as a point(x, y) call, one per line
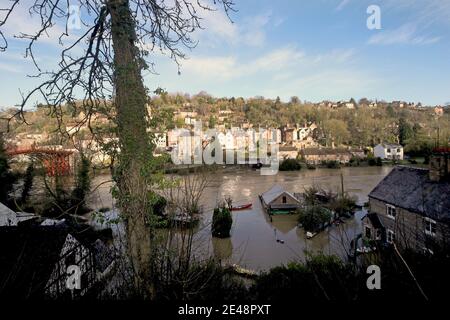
point(412, 205)
point(160, 140)
point(319, 155)
point(287, 152)
point(388, 151)
point(287, 135)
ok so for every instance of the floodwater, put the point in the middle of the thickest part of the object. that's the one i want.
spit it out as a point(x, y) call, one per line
point(253, 243)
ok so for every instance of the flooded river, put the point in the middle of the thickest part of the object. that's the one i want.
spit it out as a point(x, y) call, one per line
point(253, 237)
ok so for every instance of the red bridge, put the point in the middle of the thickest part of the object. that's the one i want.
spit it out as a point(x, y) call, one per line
point(57, 162)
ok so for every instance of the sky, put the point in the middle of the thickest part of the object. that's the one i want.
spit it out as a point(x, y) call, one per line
point(314, 49)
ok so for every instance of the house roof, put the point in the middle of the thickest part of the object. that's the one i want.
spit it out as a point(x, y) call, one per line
point(374, 220)
point(390, 145)
point(4, 210)
point(411, 189)
point(324, 151)
point(274, 193)
point(287, 148)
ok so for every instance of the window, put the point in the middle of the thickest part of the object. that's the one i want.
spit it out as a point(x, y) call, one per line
point(391, 211)
point(378, 234)
point(430, 227)
point(388, 151)
point(368, 232)
point(390, 236)
point(284, 199)
point(398, 150)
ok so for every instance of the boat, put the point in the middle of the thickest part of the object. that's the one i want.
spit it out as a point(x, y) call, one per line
point(242, 207)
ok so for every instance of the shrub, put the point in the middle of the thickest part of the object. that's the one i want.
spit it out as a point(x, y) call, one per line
point(333, 164)
point(313, 218)
point(371, 161)
point(290, 165)
point(27, 183)
point(82, 186)
point(379, 162)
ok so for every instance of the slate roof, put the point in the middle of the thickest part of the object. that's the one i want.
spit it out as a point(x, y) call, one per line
point(391, 145)
point(287, 148)
point(274, 193)
point(324, 151)
point(4, 210)
point(411, 189)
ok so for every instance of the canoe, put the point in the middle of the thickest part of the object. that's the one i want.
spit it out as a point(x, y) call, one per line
point(242, 207)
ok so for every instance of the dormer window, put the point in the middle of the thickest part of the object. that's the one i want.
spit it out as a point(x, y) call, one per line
point(391, 211)
point(430, 226)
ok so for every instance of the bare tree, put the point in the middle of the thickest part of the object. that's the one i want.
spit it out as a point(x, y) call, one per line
point(102, 65)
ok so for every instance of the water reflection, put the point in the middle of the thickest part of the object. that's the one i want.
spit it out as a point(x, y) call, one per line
point(223, 249)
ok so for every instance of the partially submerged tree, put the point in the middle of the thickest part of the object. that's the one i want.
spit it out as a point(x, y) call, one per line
point(221, 222)
point(103, 62)
point(314, 217)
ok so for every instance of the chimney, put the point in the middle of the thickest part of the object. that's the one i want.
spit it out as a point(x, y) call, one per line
point(440, 164)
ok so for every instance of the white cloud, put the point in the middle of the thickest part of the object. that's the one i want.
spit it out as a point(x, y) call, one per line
point(287, 65)
point(406, 34)
point(250, 31)
point(10, 68)
point(219, 68)
point(342, 4)
point(228, 67)
point(422, 11)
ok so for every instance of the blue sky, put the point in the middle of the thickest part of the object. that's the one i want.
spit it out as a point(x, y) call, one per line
point(315, 49)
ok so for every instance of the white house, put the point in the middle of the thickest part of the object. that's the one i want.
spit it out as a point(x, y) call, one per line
point(388, 151)
point(160, 140)
point(229, 140)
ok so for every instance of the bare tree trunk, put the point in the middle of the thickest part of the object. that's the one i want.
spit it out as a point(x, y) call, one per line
point(135, 146)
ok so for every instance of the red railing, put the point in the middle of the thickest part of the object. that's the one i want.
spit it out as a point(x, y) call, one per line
point(56, 162)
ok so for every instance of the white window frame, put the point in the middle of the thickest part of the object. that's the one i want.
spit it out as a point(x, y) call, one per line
point(377, 234)
point(430, 222)
point(390, 207)
point(390, 236)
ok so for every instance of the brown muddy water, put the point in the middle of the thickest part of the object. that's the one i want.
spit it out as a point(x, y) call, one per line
point(253, 242)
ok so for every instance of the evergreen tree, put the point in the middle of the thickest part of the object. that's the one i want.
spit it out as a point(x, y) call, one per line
point(221, 223)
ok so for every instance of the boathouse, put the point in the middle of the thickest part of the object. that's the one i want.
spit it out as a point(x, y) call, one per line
point(279, 201)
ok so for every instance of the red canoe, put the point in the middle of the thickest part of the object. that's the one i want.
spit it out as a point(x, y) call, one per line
point(243, 207)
